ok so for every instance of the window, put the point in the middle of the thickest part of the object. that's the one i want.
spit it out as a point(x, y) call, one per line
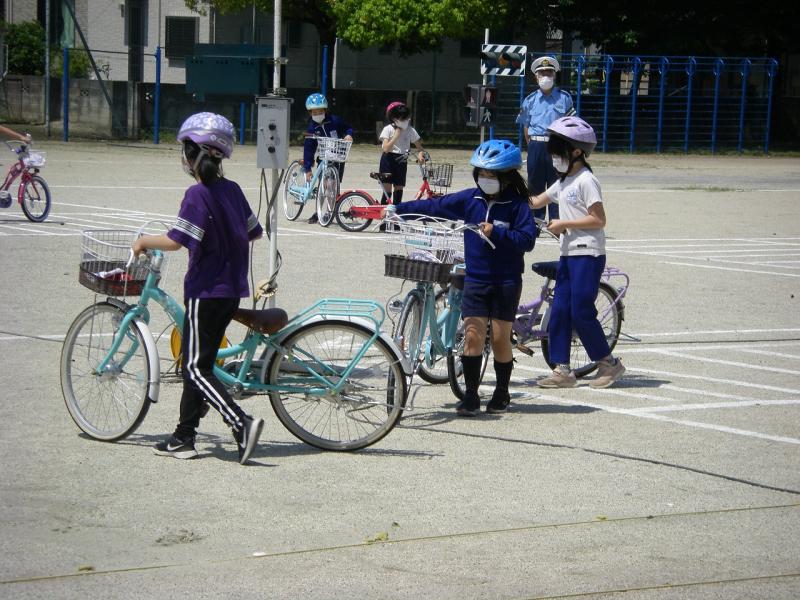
point(181, 36)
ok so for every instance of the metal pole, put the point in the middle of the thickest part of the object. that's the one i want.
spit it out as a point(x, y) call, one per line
point(637, 63)
point(771, 70)
point(276, 88)
point(324, 69)
point(65, 94)
point(690, 69)
point(433, 92)
point(581, 62)
point(521, 100)
point(485, 81)
point(608, 69)
point(745, 75)
point(157, 98)
point(662, 87)
point(241, 123)
point(718, 64)
point(491, 127)
point(47, 67)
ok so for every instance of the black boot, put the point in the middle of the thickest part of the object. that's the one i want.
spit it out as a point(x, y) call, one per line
point(471, 404)
point(501, 398)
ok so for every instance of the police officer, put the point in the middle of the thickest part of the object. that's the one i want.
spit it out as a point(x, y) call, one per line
point(538, 111)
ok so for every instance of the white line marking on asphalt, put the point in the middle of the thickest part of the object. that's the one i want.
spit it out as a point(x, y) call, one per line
point(717, 361)
point(736, 346)
point(729, 269)
point(768, 353)
point(705, 378)
point(714, 405)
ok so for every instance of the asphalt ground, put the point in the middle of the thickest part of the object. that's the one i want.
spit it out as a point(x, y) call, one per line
point(681, 481)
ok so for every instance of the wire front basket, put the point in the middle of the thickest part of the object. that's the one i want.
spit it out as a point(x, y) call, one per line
point(333, 149)
point(34, 159)
point(104, 255)
point(440, 176)
point(422, 250)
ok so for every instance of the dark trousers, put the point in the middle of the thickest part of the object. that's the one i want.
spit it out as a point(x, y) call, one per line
point(541, 175)
point(203, 329)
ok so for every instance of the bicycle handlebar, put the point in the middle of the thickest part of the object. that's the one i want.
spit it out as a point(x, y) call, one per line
point(541, 225)
point(391, 215)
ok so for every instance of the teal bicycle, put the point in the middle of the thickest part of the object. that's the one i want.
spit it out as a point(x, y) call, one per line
point(333, 378)
point(323, 185)
point(430, 252)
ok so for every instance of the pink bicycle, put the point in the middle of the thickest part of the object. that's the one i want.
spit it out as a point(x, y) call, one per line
point(33, 194)
point(356, 209)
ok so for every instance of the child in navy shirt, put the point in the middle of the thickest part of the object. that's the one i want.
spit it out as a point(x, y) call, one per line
point(493, 279)
point(321, 123)
point(215, 223)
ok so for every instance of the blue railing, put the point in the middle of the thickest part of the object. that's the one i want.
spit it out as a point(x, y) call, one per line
point(663, 103)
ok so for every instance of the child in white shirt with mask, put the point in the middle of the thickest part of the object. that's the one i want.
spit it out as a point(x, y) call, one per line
point(396, 139)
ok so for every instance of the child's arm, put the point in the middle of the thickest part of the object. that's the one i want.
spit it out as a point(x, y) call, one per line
point(388, 143)
point(11, 134)
point(596, 219)
point(155, 242)
point(539, 201)
point(420, 151)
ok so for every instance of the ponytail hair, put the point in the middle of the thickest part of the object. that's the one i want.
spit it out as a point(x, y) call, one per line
point(203, 163)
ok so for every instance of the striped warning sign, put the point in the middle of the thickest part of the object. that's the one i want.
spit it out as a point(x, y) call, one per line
point(503, 59)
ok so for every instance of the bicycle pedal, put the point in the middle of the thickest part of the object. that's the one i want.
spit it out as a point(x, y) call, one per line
point(524, 349)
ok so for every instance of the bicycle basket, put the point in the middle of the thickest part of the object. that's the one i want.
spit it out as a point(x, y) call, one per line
point(34, 159)
point(333, 149)
point(440, 175)
point(422, 250)
point(104, 254)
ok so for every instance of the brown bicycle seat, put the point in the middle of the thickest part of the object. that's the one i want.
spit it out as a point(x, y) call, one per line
point(267, 321)
point(382, 177)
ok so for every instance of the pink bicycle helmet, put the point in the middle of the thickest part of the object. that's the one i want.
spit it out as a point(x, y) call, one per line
point(576, 131)
point(393, 105)
point(213, 133)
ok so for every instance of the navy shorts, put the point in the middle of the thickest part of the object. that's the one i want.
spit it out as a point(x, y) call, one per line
point(395, 164)
point(494, 300)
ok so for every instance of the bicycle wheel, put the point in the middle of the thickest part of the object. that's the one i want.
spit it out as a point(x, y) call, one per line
point(345, 219)
point(609, 317)
point(327, 191)
point(408, 331)
point(106, 406)
point(36, 199)
point(364, 411)
point(293, 199)
point(455, 373)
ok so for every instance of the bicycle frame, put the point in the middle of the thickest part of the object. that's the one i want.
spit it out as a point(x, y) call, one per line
point(358, 311)
point(304, 192)
point(18, 169)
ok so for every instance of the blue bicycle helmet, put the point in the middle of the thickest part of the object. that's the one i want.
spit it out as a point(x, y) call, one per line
point(316, 100)
point(497, 155)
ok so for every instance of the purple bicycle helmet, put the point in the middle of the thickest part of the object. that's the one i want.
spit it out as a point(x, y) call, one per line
point(212, 132)
point(576, 131)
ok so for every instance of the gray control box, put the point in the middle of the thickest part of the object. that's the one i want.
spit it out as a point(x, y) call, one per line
point(272, 141)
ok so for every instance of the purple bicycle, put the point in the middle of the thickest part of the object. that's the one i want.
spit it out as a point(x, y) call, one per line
point(530, 325)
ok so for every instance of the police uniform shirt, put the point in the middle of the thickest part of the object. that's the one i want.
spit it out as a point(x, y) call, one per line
point(540, 110)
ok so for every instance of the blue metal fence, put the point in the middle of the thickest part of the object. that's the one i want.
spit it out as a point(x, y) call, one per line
point(662, 103)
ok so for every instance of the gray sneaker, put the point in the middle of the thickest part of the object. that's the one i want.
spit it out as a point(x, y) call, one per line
point(607, 374)
point(558, 380)
point(248, 436)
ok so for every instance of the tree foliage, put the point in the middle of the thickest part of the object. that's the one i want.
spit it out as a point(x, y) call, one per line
point(25, 47)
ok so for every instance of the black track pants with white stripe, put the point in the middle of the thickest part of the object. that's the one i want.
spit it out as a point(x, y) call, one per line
point(203, 329)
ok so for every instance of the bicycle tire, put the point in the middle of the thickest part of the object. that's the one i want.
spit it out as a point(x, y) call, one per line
point(370, 405)
point(455, 374)
point(342, 212)
point(411, 316)
point(36, 199)
point(327, 192)
point(110, 406)
point(581, 364)
point(293, 206)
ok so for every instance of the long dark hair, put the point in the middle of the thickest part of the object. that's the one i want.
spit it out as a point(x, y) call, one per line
point(508, 179)
point(208, 169)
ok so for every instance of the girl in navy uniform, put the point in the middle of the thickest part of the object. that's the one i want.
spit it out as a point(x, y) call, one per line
point(493, 280)
point(215, 224)
point(321, 123)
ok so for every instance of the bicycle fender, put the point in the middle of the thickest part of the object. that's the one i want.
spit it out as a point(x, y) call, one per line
point(405, 363)
point(154, 385)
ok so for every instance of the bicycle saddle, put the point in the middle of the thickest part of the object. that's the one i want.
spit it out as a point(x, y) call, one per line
point(545, 269)
point(382, 177)
point(265, 321)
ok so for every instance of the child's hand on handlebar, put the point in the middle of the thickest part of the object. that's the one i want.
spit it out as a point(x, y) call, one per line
point(556, 226)
point(388, 212)
point(486, 228)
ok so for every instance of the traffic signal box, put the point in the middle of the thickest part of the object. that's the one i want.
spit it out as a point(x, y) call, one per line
point(480, 105)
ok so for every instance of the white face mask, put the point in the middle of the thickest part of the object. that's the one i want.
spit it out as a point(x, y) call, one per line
point(402, 124)
point(488, 185)
point(318, 118)
point(546, 83)
point(560, 164)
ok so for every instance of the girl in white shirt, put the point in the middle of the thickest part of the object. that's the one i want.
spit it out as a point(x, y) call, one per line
point(396, 139)
point(583, 255)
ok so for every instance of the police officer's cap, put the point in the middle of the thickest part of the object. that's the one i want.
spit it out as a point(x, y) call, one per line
point(545, 62)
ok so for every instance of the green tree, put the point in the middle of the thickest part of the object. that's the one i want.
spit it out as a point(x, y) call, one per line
point(25, 47)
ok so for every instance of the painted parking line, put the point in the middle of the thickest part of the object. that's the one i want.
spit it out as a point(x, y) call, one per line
point(718, 361)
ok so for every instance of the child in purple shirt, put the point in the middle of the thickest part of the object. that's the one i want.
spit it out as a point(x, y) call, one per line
point(215, 224)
